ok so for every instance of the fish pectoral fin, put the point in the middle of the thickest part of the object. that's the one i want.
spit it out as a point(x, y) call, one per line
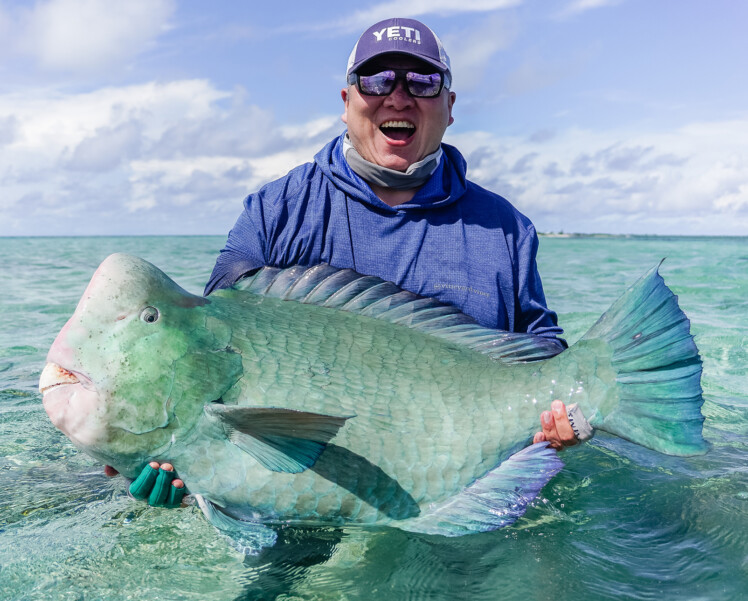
point(282, 440)
point(495, 500)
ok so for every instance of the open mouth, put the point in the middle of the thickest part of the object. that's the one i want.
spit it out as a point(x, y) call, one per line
point(54, 376)
point(72, 404)
point(398, 130)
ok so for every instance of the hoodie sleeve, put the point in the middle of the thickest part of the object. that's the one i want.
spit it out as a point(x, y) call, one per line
point(246, 247)
point(532, 314)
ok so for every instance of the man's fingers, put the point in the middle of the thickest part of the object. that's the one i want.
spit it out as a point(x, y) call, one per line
point(563, 427)
point(556, 427)
point(549, 428)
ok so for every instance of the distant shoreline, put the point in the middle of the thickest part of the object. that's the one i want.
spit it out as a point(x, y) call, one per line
point(638, 236)
point(540, 234)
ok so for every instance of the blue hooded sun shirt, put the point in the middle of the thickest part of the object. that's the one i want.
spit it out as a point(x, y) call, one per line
point(454, 241)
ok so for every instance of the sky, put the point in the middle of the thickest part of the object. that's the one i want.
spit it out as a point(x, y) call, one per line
point(160, 116)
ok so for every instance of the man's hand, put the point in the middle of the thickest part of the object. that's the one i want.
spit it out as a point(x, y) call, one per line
point(156, 483)
point(556, 427)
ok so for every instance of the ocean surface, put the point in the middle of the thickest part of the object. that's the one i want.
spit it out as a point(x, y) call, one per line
point(618, 522)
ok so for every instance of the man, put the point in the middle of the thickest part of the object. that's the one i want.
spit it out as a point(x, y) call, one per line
point(388, 198)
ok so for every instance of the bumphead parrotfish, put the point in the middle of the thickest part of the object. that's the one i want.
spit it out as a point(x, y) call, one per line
point(318, 395)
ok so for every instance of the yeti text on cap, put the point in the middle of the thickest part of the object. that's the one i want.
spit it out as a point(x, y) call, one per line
point(393, 33)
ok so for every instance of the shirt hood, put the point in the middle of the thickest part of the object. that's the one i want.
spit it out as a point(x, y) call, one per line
point(445, 186)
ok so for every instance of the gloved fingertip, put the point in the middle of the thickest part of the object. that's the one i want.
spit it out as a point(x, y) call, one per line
point(141, 487)
point(160, 491)
point(175, 496)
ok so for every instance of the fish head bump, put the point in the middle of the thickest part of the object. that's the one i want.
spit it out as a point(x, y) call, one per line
point(131, 370)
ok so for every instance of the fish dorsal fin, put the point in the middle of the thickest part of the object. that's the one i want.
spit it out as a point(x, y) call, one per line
point(372, 296)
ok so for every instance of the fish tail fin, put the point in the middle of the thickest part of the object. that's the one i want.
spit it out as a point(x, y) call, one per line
point(657, 370)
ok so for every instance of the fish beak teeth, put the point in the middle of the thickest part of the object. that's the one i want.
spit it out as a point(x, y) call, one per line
point(54, 375)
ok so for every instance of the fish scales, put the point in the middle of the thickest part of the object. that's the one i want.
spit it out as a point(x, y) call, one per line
point(365, 359)
point(353, 402)
point(442, 407)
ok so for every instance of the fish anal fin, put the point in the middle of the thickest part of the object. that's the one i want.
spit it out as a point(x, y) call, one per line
point(282, 440)
point(495, 500)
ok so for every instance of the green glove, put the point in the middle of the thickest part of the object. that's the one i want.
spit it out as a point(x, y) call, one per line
point(158, 485)
point(176, 492)
point(160, 491)
point(142, 485)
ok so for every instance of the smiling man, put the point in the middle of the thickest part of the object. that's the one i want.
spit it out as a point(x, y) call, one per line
point(389, 198)
point(397, 110)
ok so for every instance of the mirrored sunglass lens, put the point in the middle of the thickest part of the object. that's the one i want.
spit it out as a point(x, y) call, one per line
point(424, 85)
point(379, 84)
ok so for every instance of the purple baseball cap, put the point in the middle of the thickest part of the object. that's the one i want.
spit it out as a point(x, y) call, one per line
point(401, 36)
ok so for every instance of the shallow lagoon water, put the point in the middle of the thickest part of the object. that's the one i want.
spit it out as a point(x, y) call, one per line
point(618, 522)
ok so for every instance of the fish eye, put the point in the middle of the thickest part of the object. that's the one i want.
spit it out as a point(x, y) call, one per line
point(149, 315)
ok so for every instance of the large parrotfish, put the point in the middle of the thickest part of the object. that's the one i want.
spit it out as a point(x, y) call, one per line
point(314, 394)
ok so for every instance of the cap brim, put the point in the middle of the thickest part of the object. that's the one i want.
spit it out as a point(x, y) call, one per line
point(439, 65)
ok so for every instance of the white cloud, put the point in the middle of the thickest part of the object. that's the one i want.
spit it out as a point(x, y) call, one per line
point(179, 157)
point(49, 122)
point(215, 183)
point(692, 180)
point(471, 50)
point(8, 127)
point(87, 35)
point(417, 8)
point(361, 19)
point(115, 154)
point(107, 148)
point(313, 130)
point(580, 6)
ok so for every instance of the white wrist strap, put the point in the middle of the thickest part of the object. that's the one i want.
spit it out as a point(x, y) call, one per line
point(582, 429)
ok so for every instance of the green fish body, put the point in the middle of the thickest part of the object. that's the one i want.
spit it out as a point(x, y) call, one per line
point(320, 395)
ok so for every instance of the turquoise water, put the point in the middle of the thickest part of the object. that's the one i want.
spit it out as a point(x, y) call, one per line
point(619, 522)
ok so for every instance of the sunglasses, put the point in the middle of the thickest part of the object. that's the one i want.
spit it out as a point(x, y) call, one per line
point(419, 85)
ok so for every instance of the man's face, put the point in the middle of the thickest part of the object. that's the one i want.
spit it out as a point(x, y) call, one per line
point(367, 118)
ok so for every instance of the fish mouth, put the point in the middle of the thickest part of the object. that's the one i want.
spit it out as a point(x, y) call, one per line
point(55, 375)
point(71, 402)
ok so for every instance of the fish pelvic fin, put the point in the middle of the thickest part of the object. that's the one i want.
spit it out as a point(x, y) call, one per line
point(246, 537)
point(282, 440)
point(657, 370)
point(497, 499)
